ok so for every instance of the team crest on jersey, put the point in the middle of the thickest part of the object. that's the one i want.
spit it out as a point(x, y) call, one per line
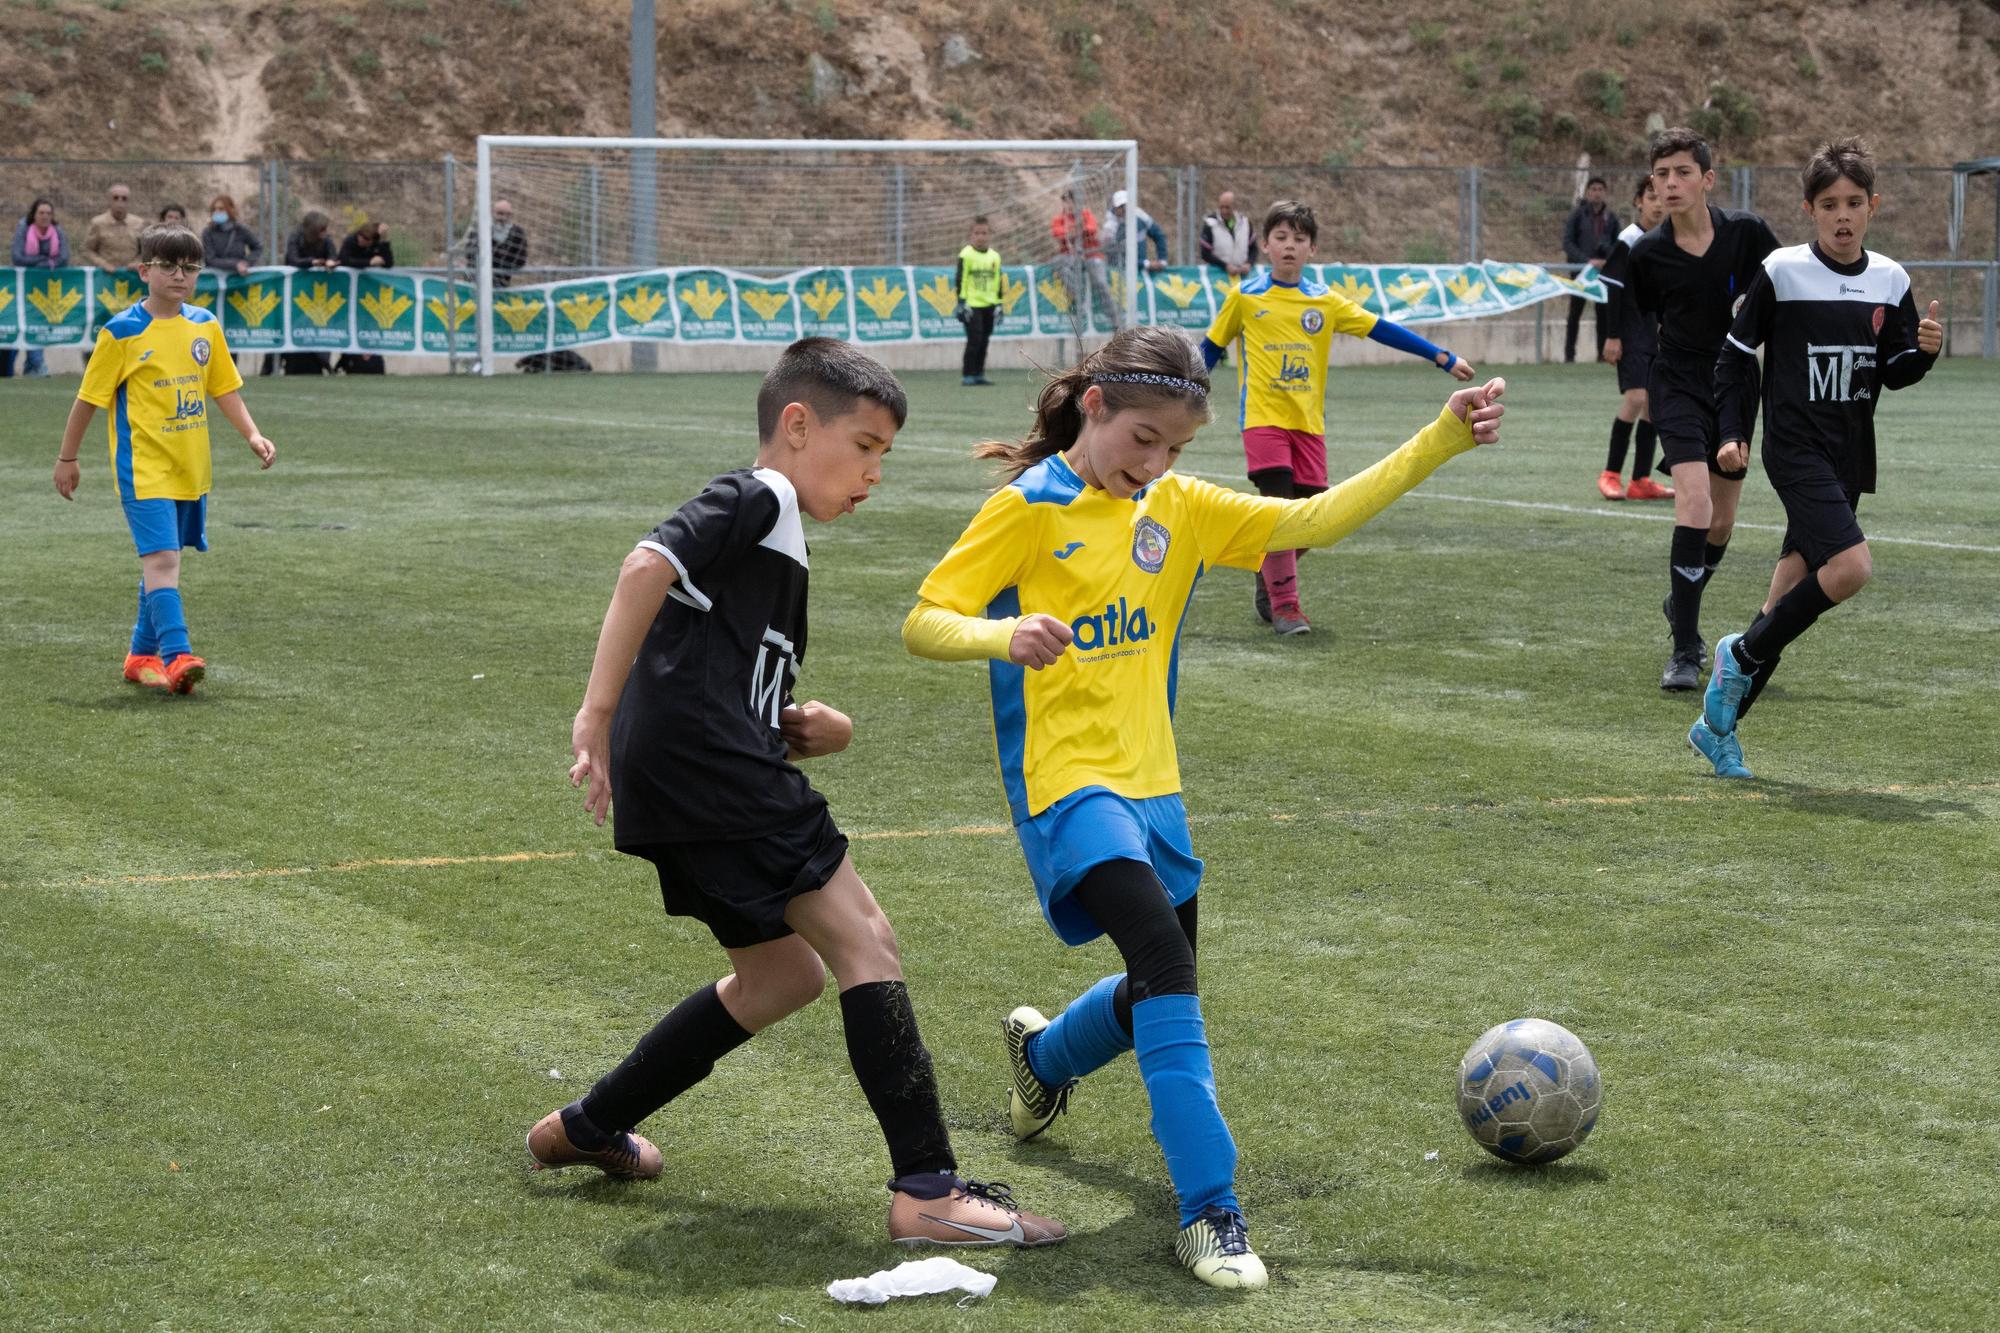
point(1881, 314)
point(1149, 546)
point(200, 350)
point(1313, 321)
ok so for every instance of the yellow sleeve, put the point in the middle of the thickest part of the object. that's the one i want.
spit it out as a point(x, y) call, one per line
point(1230, 527)
point(1333, 515)
point(946, 636)
point(990, 555)
point(1228, 321)
point(1343, 316)
point(105, 372)
point(222, 373)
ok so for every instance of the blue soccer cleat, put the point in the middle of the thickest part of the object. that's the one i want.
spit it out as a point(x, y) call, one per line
point(1725, 752)
point(1727, 684)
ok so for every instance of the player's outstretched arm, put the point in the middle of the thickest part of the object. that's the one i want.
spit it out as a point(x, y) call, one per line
point(1471, 417)
point(1404, 340)
point(69, 474)
point(643, 581)
point(233, 407)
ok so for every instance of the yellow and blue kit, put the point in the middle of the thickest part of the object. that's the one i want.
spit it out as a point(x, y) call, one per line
point(155, 375)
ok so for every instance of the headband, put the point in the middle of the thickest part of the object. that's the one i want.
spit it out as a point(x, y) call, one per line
point(1164, 381)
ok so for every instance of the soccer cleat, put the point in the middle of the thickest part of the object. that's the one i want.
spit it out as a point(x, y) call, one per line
point(1645, 488)
point(1610, 485)
point(145, 669)
point(963, 1212)
point(628, 1158)
point(1288, 623)
point(981, 382)
point(1724, 752)
point(1700, 644)
point(1031, 1104)
point(1215, 1247)
point(1727, 684)
point(1683, 672)
point(1261, 599)
point(185, 672)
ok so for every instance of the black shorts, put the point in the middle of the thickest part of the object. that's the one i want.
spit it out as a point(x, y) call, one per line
point(1820, 518)
point(740, 889)
point(1681, 400)
point(1635, 368)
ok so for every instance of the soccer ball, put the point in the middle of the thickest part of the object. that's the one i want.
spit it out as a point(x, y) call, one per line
point(1528, 1091)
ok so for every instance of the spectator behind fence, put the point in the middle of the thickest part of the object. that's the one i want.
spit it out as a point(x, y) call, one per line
point(112, 243)
point(174, 213)
point(510, 244)
point(1149, 230)
point(227, 246)
point(1080, 255)
point(310, 250)
point(39, 243)
point(1588, 236)
point(367, 246)
point(1229, 239)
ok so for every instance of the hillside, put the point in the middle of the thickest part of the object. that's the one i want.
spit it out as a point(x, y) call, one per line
point(1200, 80)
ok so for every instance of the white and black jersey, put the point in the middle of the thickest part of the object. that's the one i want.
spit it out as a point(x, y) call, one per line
point(1637, 331)
point(1834, 336)
point(695, 750)
point(1695, 296)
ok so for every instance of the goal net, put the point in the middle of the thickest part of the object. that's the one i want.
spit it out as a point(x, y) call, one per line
point(581, 241)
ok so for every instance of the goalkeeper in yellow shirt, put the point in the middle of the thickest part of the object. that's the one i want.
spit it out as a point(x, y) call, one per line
point(1072, 583)
point(1283, 323)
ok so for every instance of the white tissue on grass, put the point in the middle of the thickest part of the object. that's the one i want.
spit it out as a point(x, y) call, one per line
point(918, 1277)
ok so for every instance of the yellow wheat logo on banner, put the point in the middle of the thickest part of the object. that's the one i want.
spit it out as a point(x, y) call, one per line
point(1353, 288)
point(1464, 288)
point(939, 295)
point(1011, 292)
point(386, 305)
point(450, 311)
point(703, 299)
point(254, 304)
point(6, 298)
point(518, 311)
point(1181, 291)
point(823, 299)
point(881, 298)
point(582, 309)
point(767, 304)
point(1517, 277)
point(1409, 290)
point(321, 306)
point(642, 305)
point(54, 301)
point(206, 300)
point(122, 296)
point(1055, 292)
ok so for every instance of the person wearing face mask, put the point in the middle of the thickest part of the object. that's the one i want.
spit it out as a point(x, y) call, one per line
point(227, 246)
point(510, 244)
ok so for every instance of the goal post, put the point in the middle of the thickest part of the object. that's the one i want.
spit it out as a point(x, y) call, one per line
point(604, 207)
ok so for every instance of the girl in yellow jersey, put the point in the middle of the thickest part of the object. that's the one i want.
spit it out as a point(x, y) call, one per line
point(1073, 582)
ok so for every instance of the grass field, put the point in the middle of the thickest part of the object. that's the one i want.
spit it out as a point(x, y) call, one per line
point(289, 967)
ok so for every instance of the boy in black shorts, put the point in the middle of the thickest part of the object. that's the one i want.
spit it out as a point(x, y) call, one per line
point(1838, 325)
point(690, 701)
point(1692, 271)
point(1634, 339)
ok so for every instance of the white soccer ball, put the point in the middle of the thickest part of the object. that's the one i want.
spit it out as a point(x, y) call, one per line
point(1528, 1091)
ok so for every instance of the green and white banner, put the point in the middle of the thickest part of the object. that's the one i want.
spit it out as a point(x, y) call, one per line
point(370, 310)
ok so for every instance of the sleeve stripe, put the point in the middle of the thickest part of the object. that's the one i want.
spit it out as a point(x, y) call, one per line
point(684, 590)
point(1747, 351)
point(1607, 279)
point(1907, 351)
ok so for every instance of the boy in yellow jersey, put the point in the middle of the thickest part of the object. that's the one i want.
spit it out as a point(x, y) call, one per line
point(1072, 583)
point(978, 299)
point(1283, 325)
point(155, 366)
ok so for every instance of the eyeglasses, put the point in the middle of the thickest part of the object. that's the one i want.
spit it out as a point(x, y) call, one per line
point(185, 270)
point(120, 198)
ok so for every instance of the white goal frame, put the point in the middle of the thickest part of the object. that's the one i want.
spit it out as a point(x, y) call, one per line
point(1128, 233)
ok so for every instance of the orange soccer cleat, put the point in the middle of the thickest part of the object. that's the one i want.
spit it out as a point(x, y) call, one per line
point(146, 669)
point(1645, 488)
point(1610, 485)
point(185, 672)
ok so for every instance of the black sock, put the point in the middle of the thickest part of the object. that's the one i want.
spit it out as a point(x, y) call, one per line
point(678, 1053)
point(895, 1073)
point(1642, 450)
point(1621, 437)
point(1791, 617)
point(1687, 573)
point(1711, 556)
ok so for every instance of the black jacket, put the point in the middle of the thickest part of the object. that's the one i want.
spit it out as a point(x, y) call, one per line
point(1587, 236)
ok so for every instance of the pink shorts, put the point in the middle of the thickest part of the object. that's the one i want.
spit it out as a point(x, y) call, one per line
point(1274, 446)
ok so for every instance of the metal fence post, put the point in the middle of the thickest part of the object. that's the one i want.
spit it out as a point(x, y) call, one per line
point(1989, 337)
point(450, 265)
point(1472, 222)
point(901, 197)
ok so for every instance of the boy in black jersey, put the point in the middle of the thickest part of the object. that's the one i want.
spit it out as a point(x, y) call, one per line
point(1691, 271)
point(1837, 324)
point(689, 730)
point(1634, 338)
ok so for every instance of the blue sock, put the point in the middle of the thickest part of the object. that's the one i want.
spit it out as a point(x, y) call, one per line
point(1180, 1083)
point(145, 643)
point(163, 608)
point(1083, 1037)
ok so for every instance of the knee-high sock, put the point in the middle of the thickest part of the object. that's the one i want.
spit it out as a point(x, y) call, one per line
point(145, 641)
point(1687, 572)
point(1792, 616)
point(894, 1070)
point(1711, 556)
point(678, 1053)
point(1281, 580)
point(1083, 1037)
point(169, 618)
point(1621, 437)
point(1643, 443)
point(1180, 1082)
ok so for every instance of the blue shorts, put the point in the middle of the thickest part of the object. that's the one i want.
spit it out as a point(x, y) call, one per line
point(167, 525)
point(1089, 827)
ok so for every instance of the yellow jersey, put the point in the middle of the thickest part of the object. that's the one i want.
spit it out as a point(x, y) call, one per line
point(1283, 335)
point(979, 277)
point(1120, 573)
point(155, 376)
